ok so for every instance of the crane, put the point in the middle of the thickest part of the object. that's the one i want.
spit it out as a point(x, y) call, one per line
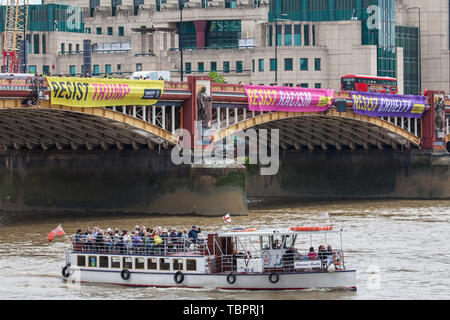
point(14, 35)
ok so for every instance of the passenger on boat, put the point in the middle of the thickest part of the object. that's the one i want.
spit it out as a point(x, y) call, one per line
point(127, 242)
point(149, 241)
point(311, 254)
point(90, 241)
point(193, 234)
point(99, 241)
point(322, 253)
point(185, 239)
point(288, 258)
point(137, 241)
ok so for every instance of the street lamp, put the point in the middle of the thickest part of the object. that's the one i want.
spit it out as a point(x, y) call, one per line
point(419, 51)
point(181, 6)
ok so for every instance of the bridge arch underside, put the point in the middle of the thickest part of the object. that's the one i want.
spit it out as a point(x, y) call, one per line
point(60, 129)
point(325, 132)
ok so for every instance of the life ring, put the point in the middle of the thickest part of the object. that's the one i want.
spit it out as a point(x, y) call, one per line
point(178, 277)
point(64, 273)
point(272, 279)
point(337, 258)
point(231, 278)
point(125, 274)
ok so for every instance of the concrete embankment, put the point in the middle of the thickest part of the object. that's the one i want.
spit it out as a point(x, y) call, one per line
point(371, 174)
point(129, 181)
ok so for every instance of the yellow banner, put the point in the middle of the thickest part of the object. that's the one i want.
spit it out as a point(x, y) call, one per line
point(94, 92)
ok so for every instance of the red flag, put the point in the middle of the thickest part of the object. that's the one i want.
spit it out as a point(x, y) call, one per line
point(56, 232)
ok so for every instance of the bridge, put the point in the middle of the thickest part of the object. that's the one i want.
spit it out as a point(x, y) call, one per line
point(27, 122)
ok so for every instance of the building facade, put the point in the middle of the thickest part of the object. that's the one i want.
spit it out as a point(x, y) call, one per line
point(309, 43)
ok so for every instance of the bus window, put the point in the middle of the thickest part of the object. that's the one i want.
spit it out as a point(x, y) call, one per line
point(348, 84)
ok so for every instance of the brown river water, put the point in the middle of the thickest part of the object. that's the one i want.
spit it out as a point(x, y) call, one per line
point(400, 249)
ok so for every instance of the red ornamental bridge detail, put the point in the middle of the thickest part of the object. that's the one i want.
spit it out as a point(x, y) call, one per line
point(338, 127)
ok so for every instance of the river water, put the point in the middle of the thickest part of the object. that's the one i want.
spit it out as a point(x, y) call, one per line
point(400, 250)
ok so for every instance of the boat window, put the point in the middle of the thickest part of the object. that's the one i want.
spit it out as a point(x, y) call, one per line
point(92, 261)
point(81, 261)
point(139, 263)
point(265, 242)
point(115, 262)
point(177, 264)
point(127, 263)
point(191, 265)
point(164, 264)
point(152, 263)
point(277, 242)
point(288, 241)
point(103, 263)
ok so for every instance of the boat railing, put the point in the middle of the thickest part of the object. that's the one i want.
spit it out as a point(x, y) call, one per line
point(287, 262)
point(147, 246)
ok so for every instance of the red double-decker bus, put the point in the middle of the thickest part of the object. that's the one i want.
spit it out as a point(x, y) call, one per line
point(352, 82)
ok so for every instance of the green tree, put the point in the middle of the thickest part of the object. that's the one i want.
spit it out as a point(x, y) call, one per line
point(216, 77)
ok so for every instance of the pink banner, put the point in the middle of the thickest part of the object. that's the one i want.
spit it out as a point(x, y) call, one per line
point(272, 98)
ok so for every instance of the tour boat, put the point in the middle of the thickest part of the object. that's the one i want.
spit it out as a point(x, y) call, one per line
point(239, 259)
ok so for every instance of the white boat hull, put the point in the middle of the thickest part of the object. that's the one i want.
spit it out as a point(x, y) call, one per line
point(256, 281)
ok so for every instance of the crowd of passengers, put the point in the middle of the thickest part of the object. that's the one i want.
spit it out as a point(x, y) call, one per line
point(141, 240)
point(291, 255)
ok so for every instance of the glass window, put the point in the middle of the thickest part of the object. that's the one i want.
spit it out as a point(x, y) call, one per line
point(200, 66)
point(110, 31)
point(77, 48)
point(177, 264)
point(278, 29)
point(304, 85)
point(139, 263)
point(92, 261)
point(187, 67)
point(253, 65)
point(103, 262)
point(306, 34)
point(44, 44)
point(265, 242)
point(32, 69)
point(226, 66)
point(70, 48)
point(277, 242)
point(297, 35)
point(191, 265)
point(317, 64)
point(121, 31)
point(107, 68)
point(72, 70)
point(213, 66)
point(303, 64)
point(87, 30)
point(270, 36)
point(62, 48)
point(287, 35)
point(127, 262)
point(45, 69)
point(152, 264)
point(115, 262)
point(261, 65)
point(96, 70)
point(36, 43)
point(288, 64)
point(138, 66)
point(317, 85)
point(99, 30)
point(164, 264)
point(273, 64)
point(81, 261)
point(238, 66)
point(119, 67)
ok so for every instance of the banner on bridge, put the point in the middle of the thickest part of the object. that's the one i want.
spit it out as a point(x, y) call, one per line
point(388, 105)
point(273, 98)
point(98, 92)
